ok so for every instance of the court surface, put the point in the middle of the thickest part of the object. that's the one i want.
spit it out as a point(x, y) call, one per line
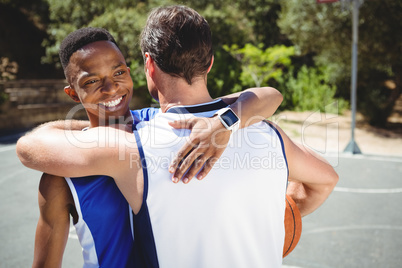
point(360, 225)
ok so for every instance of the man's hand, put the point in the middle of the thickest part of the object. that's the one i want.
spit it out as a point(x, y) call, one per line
point(206, 143)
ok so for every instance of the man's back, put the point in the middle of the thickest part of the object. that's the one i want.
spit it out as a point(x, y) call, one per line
point(233, 218)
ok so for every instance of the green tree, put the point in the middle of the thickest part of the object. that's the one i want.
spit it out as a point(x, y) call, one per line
point(263, 16)
point(260, 65)
point(304, 89)
point(125, 19)
point(232, 22)
point(325, 31)
point(310, 90)
point(22, 30)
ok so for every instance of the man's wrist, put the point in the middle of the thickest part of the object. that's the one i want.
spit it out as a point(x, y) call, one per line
point(228, 118)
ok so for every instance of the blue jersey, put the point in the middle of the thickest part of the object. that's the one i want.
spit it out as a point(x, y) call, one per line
point(145, 114)
point(104, 226)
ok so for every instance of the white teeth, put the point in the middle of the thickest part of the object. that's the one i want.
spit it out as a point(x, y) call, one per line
point(112, 103)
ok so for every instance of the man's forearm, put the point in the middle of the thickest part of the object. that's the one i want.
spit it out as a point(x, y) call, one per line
point(74, 153)
point(307, 199)
point(311, 195)
point(254, 104)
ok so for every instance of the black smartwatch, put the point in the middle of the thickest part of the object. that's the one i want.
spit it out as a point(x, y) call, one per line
point(229, 119)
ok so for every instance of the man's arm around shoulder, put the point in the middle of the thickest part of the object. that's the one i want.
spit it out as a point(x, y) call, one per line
point(74, 153)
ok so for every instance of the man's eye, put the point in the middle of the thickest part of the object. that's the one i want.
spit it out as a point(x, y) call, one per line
point(90, 82)
point(120, 73)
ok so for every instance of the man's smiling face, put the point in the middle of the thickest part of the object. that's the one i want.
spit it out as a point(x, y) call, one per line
point(101, 79)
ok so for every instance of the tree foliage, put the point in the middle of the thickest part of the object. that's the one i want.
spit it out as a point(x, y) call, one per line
point(311, 90)
point(125, 19)
point(325, 30)
point(260, 65)
point(245, 33)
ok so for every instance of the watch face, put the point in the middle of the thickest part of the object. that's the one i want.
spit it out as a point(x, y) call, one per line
point(229, 117)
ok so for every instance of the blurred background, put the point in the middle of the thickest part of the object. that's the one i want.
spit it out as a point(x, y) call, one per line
point(300, 47)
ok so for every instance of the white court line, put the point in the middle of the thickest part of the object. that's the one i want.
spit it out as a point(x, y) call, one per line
point(354, 227)
point(7, 148)
point(386, 158)
point(368, 191)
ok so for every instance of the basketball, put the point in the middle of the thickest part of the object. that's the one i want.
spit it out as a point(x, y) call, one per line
point(293, 226)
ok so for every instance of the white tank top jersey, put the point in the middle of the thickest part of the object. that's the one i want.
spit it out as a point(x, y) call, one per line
point(232, 218)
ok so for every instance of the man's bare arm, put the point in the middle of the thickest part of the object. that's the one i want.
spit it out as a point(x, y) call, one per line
point(29, 148)
point(65, 125)
point(311, 177)
point(254, 104)
point(55, 202)
point(72, 153)
point(209, 138)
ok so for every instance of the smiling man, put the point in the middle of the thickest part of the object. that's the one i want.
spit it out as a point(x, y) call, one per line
point(102, 101)
point(99, 78)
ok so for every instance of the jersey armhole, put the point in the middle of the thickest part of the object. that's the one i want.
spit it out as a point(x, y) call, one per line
point(282, 145)
point(144, 170)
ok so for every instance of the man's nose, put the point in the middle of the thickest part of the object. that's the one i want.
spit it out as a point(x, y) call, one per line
point(110, 86)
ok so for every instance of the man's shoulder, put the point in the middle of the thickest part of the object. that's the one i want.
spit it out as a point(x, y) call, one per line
point(144, 114)
point(160, 122)
point(53, 187)
point(50, 179)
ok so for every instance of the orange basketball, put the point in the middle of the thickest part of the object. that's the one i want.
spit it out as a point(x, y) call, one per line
point(293, 226)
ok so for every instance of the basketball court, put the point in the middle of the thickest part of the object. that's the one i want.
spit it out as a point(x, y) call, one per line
point(360, 225)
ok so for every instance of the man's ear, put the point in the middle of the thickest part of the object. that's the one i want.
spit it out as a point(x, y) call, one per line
point(72, 93)
point(212, 63)
point(149, 65)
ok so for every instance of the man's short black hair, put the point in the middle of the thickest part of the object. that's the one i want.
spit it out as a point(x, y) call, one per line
point(80, 38)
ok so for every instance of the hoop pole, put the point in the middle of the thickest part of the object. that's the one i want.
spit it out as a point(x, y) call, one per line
point(352, 147)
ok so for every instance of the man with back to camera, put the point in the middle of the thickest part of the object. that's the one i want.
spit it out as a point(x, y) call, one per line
point(100, 213)
point(234, 218)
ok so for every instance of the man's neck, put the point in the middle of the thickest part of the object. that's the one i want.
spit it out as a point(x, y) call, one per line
point(179, 92)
